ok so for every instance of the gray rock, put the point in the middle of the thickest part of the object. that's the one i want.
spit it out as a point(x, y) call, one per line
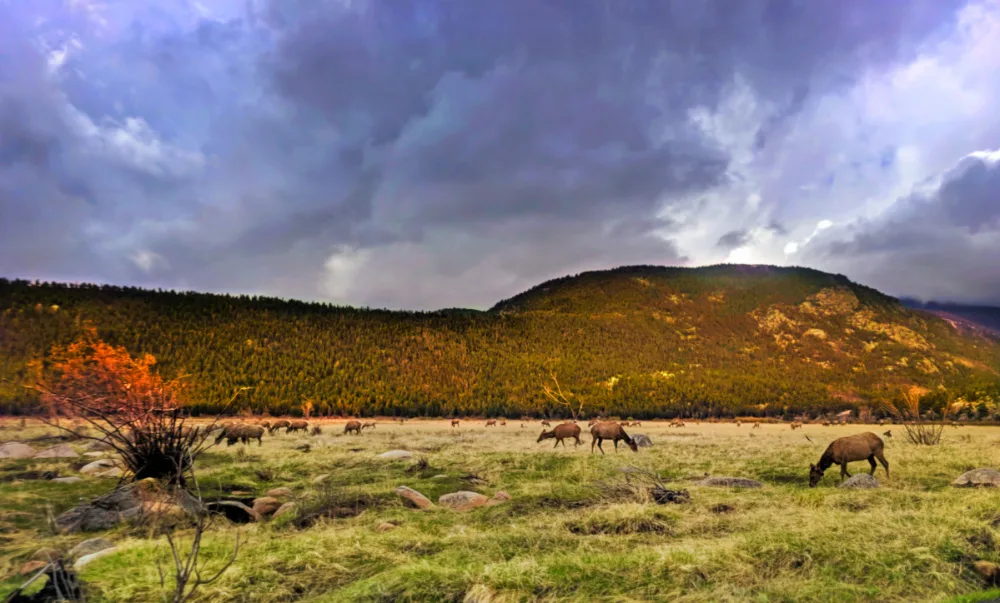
point(729, 482)
point(396, 455)
point(62, 451)
point(16, 450)
point(978, 478)
point(861, 481)
point(385, 526)
point(97, 467)
point(121, 504)
point(416, 498)
point(462, 500)
point(67, 480)
point(89, 546)
point(95, 455)
point(440, 476)
point(319, 479)
point(288, 508)
point(265, 505)
point(86, 559)
point(114, 472)
point(642, 440)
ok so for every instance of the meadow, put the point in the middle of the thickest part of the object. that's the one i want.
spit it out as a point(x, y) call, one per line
point(576, 527)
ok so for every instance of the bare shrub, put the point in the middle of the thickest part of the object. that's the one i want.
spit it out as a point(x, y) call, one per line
point(919, 430)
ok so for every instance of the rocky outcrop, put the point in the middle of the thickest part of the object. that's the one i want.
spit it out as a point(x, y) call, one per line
point(978, 478)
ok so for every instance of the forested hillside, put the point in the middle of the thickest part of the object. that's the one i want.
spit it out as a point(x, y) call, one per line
point(637, 341)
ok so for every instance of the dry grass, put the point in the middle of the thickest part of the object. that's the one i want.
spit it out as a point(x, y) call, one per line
point(576, 528)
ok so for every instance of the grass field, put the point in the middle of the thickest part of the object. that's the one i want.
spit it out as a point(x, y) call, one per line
point(576, 529)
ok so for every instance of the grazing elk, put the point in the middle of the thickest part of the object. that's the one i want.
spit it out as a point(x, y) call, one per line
point(491, 423)
point(278, 425)
point(354, 426)
point(454, 422)
point(545, 423)
point(297, 426)
point(243, 433)
point(756, 425)
point(739, 423)
point(859, 447)
point(560, 433)
point(368, 424)
point(610, 431)
point(265, 424)
point(503, 422)
point(796, 425)
point(887, 433)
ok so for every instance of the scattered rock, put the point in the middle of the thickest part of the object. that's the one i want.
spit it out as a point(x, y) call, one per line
point(46, 554)
point(462, 500)
point(98, 445)
point(396, 455)
point(989, 571)
point(440, 476)
point(30, 567)
point(114, 472)
point(97, 466)
point(266, 505)
point(280, 492)
point(16, 450)
point(288, 508)
point(61, 451)
point(234, 511)
point(663, 496)
point(122, 503)
point(861, 481)
point(978, 478)
point(86, 559)
point(642, 440)
point(319, 479)
point(498, 499)
point(93, 454)
point(414, 497)
point(153, 511)
point(67, 480)
point(89, 546)
point(385, 526)
point(729, 482)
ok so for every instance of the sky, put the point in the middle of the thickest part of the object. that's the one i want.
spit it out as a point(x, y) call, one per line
point(419, 154)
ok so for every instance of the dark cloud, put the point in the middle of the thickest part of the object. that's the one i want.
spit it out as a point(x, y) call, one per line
point(412, 153)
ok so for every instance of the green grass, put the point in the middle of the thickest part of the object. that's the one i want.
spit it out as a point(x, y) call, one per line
point(576, 529)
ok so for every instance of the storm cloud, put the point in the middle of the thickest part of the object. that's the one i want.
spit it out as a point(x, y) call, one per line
point(424, 154)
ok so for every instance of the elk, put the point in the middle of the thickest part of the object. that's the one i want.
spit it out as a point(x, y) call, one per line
point(756, 425)
point(265, 424)
point(354, 426)
point(454, 422)
point(545, 423)
point(796, 425)
point(278, 425)
point(610, 431)
point(887, 433)
point(368, 424)
point(561, 432)
point(491, 422)
point(859, 447)
point(739, 423)
point(244, 433)
point(503, 422)
point(297, 426)
point(676, 423)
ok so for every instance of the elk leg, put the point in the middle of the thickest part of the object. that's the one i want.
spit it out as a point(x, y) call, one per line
point(843, 470)
point(884, 462)
point(557, 443)
point(577, 440)
point(871, 459)
point(599, 447)
point(592, 442)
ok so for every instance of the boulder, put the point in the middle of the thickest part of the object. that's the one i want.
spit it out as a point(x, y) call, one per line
point(30, 567)
point(97, 467)
point(61, 451)
point(319, 479)
point(498, 499)
point(990, 572)
point(234, 511)
point(396, 455)
point(95, 455)
point(98, 445)
point(642, 440)
point(67, 480)
point(440, 476)
point(113, 473)
point(729, 482)
point(154, 511)
point(861, 481)
point(978, 478)
point(289, 508)
point(123, 503)
point(16, 450)
point(266, 505)
point(417, 499)
point(86, 559)
point(462, 500)
point(280, 493)
point(385, 526)
point(89, 546)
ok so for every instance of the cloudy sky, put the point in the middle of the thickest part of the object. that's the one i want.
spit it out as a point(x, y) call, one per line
point(424, 154)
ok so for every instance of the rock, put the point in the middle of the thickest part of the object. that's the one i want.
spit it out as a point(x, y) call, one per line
point(642, 440)
point(396, 455)
point(280, 492)
point(729, 482)
point(289, 508)
point(46, 554)
point(416, 498)
point(498, 499)
point(989, 571)
point(93, 454)
point(113, 473)
point(86, 559)
point(16, 450)
point(67, 480)
point(98, 445)
point(861, 481)
point(462, 500)
point(978, 478)
point(234, 511)
point(30, 567)
point(440, 476)
point(385, 526)
point(158, 511)
point(89, 546)
point(97, 467)
point(125, 502)
point(62, 451)
point(319, 479)
point(266, 505)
